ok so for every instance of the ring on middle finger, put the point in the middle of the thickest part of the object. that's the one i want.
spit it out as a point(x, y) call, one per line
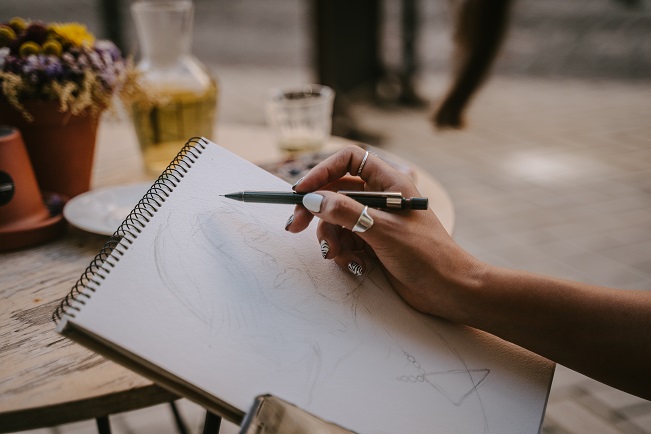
point(364, 222)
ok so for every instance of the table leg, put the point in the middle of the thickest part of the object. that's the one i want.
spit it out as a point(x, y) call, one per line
point(180, 423)
point(103, 425)
point(212, 423)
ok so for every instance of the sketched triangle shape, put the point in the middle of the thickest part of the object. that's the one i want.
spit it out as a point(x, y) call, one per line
point(451, 383)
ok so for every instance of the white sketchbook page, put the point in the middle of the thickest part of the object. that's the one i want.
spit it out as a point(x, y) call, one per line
point(216, 292)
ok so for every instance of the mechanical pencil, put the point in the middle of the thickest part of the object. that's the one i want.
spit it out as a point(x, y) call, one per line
point(374, 199)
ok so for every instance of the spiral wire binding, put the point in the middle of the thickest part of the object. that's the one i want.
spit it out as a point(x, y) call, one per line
point(131, 227)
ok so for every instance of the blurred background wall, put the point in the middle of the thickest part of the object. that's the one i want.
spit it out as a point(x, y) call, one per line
point(578, 38)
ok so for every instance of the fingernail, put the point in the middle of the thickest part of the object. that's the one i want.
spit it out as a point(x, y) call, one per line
point(312, 201)
point(355, 268)
point(290, 220)
point(325, 248)
point(296, 183)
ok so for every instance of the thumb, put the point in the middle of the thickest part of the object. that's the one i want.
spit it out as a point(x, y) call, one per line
point(337, 209)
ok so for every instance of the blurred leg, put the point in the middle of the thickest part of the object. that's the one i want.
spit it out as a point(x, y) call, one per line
point(479, 32)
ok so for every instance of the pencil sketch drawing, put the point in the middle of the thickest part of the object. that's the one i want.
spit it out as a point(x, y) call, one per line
point(250, 289)
point(441, 381)
point(257, 286)
point(453, 379)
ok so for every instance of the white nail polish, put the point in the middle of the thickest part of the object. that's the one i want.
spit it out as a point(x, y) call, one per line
point(312, 201)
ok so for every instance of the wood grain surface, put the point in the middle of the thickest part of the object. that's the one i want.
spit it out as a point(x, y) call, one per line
point(47, 380)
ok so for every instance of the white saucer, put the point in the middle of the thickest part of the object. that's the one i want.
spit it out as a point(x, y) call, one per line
point(101, 211)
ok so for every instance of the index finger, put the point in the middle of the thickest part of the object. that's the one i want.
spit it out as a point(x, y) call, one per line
point(349, 161)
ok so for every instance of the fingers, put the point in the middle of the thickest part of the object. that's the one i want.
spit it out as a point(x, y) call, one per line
point(352, 168)
point(378, 174)
point(299, 220)
point(336, 243)
point(334, 174)
point(342, 246)
point(343, 211)
point(345, 183)
point(331, 169)
point(301, 217)
point(333, 208)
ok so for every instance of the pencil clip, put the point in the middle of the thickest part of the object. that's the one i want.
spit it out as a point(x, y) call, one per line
point(353, 194)
point(393, 198)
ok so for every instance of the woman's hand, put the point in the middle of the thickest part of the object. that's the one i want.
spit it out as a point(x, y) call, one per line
point(594, 330)
point(421, 260)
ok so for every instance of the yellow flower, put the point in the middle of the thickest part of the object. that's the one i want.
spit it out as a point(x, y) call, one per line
point(28, 48)
point(18, 24)
point(7, 35)
point(52, 47)
point(74, 33)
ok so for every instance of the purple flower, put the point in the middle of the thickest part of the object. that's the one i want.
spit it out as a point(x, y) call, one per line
point(104, 60)
point(68, 58)
point(82, 61)
point(36, 32)
point(109, 48)
point(4, 53)
point(95, 60)
point(52, 67)
point(30, 64)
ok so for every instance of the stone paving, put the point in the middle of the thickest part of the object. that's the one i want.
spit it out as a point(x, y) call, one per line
point(551, 176)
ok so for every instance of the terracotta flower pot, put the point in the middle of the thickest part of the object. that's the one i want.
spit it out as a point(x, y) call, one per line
point(27, 216)
point(20, 199)
point(60, 145)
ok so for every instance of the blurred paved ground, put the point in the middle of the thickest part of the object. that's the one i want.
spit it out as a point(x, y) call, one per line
point(552, 175)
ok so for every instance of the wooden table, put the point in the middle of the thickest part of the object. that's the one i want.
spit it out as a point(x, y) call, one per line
point(46, 380)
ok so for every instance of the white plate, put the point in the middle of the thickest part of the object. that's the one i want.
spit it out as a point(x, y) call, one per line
point(101, 211)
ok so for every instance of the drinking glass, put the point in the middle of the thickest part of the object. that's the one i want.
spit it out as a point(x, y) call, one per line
point(301, 117)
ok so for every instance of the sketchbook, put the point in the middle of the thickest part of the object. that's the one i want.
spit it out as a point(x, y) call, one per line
point(214, 300)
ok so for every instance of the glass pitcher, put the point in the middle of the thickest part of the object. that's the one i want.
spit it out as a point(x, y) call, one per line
point(181, 94)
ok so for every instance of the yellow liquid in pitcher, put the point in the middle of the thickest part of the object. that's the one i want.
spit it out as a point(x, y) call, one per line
point(164, 128)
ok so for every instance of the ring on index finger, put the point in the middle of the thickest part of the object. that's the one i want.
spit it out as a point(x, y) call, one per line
point(364, 222)
point(361, 166)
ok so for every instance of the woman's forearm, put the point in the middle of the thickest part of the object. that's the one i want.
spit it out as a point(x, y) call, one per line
point(602, 332)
